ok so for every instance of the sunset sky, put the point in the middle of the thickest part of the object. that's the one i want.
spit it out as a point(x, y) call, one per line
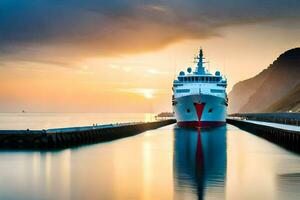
point(122, 56)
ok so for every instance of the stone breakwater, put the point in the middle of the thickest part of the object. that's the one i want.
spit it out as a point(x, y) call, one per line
point(61, 138)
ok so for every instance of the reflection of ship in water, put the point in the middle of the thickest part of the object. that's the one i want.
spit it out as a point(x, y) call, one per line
point(288, 185)
point(200, 162)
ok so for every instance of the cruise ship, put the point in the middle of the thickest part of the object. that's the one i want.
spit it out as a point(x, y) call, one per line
point(199, 97)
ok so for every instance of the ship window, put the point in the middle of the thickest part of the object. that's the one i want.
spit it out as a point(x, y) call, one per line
point(206, 79)
point(202, 79)
point(216, 91)
point(185, 79)
point(183, 90)
point(193, 79)
point(180, 79)
point(210, 110)
point(188, 110)
point(176, 85)
point(197, 79)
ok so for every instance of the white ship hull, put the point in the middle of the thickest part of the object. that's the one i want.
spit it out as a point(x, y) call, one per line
point(199, 97)
point(200, 110)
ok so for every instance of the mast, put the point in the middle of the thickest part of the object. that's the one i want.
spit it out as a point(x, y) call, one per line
point(200, 67)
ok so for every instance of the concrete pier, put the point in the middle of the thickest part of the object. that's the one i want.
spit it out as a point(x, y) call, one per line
point(69, 137)
point(282, 118)
point(287, 136)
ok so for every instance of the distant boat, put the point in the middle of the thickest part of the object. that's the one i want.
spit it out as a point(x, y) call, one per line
point(199, 97)
point(164, 115)
point(23, 111)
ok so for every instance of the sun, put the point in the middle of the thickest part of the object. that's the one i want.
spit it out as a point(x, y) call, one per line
point(148, 95)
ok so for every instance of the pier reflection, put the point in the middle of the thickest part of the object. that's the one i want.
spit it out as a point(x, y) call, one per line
point(288, 185)
point(200, 163)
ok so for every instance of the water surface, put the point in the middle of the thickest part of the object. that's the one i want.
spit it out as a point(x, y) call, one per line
point(166, 163)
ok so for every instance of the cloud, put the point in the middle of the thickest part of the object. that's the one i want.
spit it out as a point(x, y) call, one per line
point(114, 66)
point(146, 92)
point(127, 69)
point(156, 72)
point(64, 32)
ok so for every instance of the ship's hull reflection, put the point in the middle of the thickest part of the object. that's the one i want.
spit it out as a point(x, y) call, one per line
point(200, 162)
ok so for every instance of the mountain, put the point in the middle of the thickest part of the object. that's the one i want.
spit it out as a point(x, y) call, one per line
point(269, 86)
point(290, 102)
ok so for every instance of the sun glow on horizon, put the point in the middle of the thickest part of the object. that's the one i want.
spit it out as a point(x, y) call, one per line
point(147, 93)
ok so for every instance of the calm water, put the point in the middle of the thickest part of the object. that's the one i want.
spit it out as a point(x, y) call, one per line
point(166, 163)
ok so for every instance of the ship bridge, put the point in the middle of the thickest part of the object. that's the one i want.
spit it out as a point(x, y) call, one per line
point(200, 75)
